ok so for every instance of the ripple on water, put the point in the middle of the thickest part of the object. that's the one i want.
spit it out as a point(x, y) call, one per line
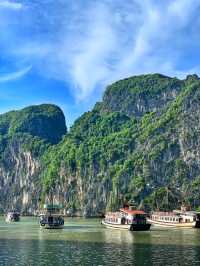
point(85, 242)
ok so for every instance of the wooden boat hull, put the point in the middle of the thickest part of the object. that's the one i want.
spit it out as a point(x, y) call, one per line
point(175, 225)
point(130, 227)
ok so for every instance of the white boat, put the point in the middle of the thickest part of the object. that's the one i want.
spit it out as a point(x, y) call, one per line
point(51, 218)
point(128, 219)
point(13, 217)
point(178, 218)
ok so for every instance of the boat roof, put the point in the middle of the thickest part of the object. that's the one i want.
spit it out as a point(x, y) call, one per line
point(50, 215)
point(132, 212)
point(174, 213)
point(13, 212)
point(186, 212)
point(52, 206)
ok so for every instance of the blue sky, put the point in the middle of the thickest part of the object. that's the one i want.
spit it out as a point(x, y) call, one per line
point(67, 51)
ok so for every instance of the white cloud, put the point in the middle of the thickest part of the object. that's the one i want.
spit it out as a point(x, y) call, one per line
point(92, 43)
point(134, 38)
point(90, 63)
point(14, 75)
point(160, 40)
point(10, 5)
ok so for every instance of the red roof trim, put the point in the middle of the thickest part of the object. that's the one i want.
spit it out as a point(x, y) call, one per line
point(132, 212)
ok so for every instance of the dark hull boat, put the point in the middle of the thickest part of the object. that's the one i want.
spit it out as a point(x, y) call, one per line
point(13, 217)
point(132, 227)
point(133, 220)
point(51, 218)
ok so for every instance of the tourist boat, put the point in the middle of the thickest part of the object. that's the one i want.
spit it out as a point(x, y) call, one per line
point(13, 216)
point(127, 218)
point(183, 218)
point(51, 218)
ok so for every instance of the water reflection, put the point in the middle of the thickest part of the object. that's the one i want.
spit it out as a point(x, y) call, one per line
point(125, 237)
point(32, 252)
point(86, 242)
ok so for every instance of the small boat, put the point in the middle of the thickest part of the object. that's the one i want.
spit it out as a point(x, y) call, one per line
point(51, 218)
point(13, 216)
point(127, 218)
point(183, 218)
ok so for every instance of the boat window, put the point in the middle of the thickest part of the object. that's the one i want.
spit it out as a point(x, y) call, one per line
point(50, 219)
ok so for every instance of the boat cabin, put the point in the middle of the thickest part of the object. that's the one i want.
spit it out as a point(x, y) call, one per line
point(52, 217)
point(126, 216)
point(167, 217)
point(176, 217)
point(133, 216)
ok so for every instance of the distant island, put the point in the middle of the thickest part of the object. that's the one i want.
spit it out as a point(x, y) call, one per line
point(140, 144)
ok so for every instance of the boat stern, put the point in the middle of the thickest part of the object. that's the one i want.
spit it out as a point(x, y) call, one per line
point(140, 227)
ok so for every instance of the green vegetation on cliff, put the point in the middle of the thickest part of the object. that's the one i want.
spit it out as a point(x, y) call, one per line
point(45, 121)
point(25, 136)
point(141, 144)
point(114, 154)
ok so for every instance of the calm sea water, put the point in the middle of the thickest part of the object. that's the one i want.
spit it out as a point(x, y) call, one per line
point(86, 242)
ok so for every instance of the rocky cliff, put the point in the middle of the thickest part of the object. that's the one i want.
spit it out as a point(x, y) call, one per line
point(24, 136)
point(141, 144)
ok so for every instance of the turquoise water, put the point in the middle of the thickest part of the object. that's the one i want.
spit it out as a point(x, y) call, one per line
point(86, 242)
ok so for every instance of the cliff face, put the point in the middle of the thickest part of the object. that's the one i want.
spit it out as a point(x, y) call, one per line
point(19, 180)
point(44, 121)
point(24, 136)
point(141, 144)
point(141, 94)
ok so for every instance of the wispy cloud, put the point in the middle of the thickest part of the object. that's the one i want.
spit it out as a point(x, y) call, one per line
point(10, 5)
point(91, 43)
point(6, 77)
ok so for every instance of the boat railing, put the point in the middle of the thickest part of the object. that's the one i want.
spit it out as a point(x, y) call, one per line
point(113, 214)
point(164, 213)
